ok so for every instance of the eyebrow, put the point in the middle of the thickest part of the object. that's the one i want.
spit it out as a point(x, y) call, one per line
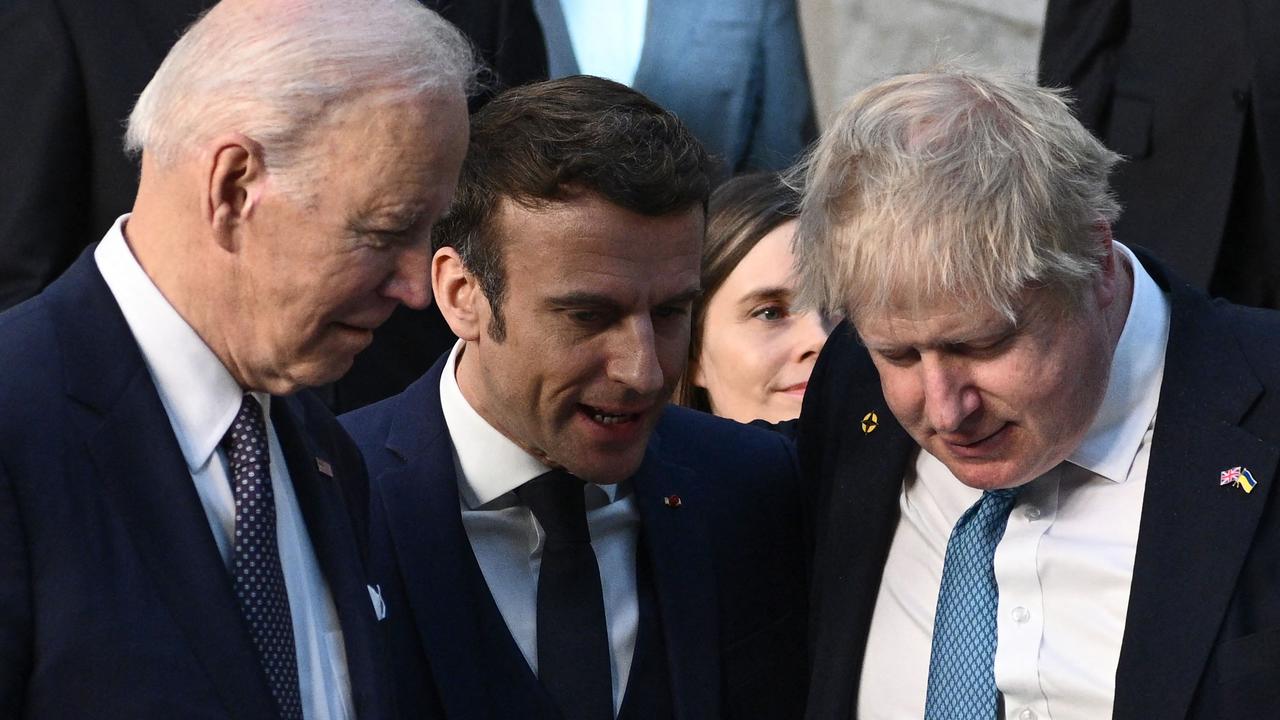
point(589, 299)
point(767, 293)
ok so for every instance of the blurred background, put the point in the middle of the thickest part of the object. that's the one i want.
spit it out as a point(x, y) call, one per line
point(852, 43)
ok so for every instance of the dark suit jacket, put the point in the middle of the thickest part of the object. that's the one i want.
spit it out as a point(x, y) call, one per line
point(727, 566)
point(1202, 635)
point(734, 72)
point(72, 73)
point(114, 600)
point(1189, 92)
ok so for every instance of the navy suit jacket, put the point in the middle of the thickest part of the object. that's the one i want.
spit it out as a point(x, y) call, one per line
point(727, 567)
point(1202, 634)
point(734, 72)
point(114, 599)
point(1189, 92)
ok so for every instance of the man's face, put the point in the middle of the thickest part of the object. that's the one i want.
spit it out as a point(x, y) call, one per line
point(320, 273)
point(997, 403)
point(597, 331)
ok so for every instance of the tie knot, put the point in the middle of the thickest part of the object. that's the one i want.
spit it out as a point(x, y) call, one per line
point(556, 500)
point(246, 440)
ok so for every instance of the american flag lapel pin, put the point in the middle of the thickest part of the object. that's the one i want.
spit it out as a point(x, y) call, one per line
point(1238, 476)
point(324, 467)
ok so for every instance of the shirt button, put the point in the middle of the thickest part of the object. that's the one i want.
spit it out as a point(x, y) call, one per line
point(1032, 513)
point(1027, 714)
point(1021, 615)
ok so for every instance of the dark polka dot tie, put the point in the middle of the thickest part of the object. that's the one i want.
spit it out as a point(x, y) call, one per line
point(255, 563)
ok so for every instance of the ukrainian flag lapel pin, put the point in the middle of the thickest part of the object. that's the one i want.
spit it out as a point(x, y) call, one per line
point(870, 422)
point(1240, 477)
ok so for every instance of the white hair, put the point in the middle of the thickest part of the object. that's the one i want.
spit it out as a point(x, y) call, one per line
point(950, 185)
point(273, 70)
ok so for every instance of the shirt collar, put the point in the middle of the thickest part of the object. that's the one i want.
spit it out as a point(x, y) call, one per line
point(199, 395)
point(1133, 389)
point(491, 464)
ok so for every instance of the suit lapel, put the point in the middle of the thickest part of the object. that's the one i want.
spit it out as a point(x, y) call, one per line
point(684, 581)
point(561, 61)
point(336, 547)
point(443, 581)
point(145, 478)
point(856, 529)
point(1195, 533)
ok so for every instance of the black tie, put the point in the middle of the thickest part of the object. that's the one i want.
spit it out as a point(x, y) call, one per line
point(255, 566)
point(573, 639)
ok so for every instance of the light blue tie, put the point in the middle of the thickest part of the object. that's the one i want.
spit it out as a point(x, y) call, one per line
point(962, 680)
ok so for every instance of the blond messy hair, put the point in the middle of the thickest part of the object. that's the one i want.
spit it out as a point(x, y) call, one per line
point(948, 185)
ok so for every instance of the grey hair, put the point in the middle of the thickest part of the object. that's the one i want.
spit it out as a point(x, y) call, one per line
point(275, 70)
point(948, 185)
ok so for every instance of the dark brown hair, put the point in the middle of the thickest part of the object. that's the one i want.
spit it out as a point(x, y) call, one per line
point(553, 141)
point(742, 211)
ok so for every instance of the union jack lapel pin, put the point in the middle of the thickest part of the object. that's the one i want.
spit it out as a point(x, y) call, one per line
point(1240, 477)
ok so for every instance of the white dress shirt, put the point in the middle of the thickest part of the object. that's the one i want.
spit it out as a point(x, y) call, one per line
point(201, 399)
point(607, 37)
point(1063, 568)
point(508, 541)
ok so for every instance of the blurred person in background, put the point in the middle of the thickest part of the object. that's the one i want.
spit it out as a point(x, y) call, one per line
point(733, 71)
point(751, 351)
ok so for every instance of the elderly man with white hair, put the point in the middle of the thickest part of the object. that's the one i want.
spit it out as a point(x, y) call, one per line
point(183, 533)
point(1042, 463)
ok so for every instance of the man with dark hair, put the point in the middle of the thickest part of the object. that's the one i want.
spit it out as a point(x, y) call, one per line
point(567, 544)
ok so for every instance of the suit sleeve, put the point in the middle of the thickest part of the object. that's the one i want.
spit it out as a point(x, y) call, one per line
point(784, 117)
point(1079, 49)
point(15, 604)
point(44, 141)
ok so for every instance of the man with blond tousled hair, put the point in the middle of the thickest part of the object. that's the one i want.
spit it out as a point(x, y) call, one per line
point(183, 529)
point(1042, 463)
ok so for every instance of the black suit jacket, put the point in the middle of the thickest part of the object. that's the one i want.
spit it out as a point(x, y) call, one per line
point(72, 73)
point(114, 599)
point(727, 567)
point(1189, 92)
point(1203, 623)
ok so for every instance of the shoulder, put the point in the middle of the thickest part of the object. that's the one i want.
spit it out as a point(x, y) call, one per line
point(368, 426)
point(715, 444)
point(30, 367)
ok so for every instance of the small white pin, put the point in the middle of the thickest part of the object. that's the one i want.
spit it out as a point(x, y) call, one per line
point(324, 467)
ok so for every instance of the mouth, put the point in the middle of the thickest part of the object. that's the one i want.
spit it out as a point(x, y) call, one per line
point(976, 448)
point(609, 417)
point(797, 389)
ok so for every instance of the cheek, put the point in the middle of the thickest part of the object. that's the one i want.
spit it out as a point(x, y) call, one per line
point(904, 395)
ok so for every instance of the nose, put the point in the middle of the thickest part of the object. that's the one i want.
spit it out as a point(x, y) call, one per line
point(633, 361)
point(410, 282)
point(949, 396)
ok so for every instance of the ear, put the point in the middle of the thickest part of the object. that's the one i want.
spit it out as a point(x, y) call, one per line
point(458, 295)
point(1107, 285)
point(234, 178)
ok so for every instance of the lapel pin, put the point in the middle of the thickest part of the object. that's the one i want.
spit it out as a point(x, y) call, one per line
point(870, 422)
point(1240, 477)
point(324, 467)
point(671, 501)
